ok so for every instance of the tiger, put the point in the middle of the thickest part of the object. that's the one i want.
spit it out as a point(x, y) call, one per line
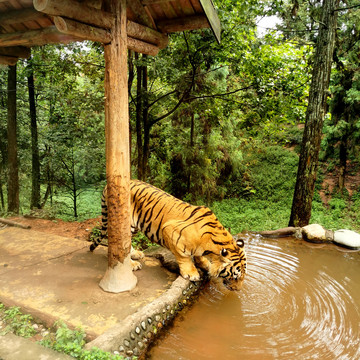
point(192, 233)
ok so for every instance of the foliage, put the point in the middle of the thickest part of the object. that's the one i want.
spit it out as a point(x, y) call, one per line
point(16, 322)
point(72, 342)
point(344, 124)
point(210, 107)
point(269, 180)
point(268, 207)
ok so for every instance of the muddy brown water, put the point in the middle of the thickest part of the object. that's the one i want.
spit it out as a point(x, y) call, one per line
point(299, 301)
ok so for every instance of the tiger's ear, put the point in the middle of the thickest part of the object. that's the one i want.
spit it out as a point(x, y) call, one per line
point(240, 242)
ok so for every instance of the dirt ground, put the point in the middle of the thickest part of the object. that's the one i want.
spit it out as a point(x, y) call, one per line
point(331, 181)
point(73, 229)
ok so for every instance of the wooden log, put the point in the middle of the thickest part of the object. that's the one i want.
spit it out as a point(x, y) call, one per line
point(119, 276)
point(17, 16)
point(150, 2)
point(80, 30)
point(93, 3)
point(13, 223)
point(77, 11)
point(30, 38)
point(16, 51)
point(88, 32)
point(183, 24)
point(283, 232)
point(146, 34)
point(8, 60)
point(142, 47)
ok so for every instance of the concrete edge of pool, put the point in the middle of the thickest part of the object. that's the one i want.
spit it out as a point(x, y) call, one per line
point(53, 277)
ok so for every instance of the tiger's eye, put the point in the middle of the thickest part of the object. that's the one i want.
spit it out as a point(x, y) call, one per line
point(223, 252)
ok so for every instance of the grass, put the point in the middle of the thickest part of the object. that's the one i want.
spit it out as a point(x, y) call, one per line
point(61, 339)
point(271, 176)
point(72, 342)
point(261, 202)
point(16, 322)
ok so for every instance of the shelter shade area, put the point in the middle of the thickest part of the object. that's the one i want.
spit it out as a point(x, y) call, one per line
point(139, 25)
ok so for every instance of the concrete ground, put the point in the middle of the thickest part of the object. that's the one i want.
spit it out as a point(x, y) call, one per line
point(53, 277)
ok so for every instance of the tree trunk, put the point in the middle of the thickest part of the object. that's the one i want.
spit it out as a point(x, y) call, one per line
point(310, 147)
point(1, 194)
point(343, 159)
point(192, 132)
point(139, 102)
point(74, 190)
point(35, 174)
point(146, 124)
point(13, 180)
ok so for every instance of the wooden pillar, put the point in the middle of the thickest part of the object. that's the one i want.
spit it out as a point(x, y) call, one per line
point(119, 276)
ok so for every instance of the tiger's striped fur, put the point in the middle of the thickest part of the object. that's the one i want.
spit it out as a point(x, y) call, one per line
point(191, 233)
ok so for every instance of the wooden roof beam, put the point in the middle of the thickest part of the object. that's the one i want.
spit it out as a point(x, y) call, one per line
point(182, 24)
point(74, 28)
point(8, 60)
point(36, 37)
point(134, 30)
point(146, 34)
point(17, 16)
point(16, 51)
point(150, 2)
point(77, 11)
point(81, 30)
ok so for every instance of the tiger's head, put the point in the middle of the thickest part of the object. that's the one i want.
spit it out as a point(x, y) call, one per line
point(228, 261)
point(234, 270)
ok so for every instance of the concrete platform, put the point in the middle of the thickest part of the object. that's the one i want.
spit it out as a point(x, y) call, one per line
point(17, 348)
point(53, 277)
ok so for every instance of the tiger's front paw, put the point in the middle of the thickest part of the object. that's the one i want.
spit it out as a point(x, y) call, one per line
point(136, 254)
point(193, 276)
point(135, 265)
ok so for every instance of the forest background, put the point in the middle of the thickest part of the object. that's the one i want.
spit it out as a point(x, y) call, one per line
point(215, 124)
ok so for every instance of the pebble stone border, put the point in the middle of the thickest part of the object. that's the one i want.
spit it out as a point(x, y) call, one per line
point(133, 335)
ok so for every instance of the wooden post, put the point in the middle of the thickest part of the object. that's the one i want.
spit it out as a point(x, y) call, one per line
point(119, 276)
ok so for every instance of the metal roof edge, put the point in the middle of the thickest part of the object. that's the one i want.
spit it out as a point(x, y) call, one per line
point(213, 18)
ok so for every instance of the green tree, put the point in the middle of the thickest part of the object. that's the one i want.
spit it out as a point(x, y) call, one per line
point(35, 159)
point(13, 177)
point(310, 148)
point(342, 129)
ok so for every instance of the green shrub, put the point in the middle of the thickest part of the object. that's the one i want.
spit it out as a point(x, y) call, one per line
point(72, 342)
point(16, 322)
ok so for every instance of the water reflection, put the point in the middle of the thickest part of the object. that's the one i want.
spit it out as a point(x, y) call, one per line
point(297, 302)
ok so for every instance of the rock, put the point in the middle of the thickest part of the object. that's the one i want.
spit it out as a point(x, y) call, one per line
point(316, 233)
point(347, 238)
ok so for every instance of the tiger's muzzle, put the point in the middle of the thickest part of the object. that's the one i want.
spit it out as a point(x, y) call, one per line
point(233, 284)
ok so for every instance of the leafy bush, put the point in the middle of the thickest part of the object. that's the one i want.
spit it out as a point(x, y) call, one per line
point(16, 322)
point(72, 342)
